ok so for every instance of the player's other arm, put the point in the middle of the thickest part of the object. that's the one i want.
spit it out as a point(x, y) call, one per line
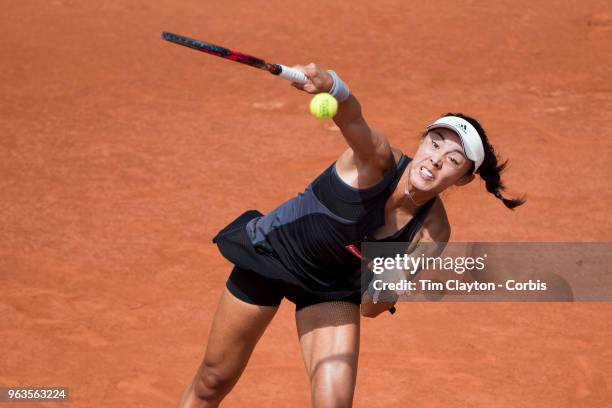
point(435, 230)
point(369, 147)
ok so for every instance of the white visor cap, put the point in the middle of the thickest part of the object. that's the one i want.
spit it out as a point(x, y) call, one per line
point(470, 139)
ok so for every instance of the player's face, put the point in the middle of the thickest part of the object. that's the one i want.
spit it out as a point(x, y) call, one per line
point(440, 162)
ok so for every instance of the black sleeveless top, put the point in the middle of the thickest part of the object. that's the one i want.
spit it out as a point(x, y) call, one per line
point(312, 240)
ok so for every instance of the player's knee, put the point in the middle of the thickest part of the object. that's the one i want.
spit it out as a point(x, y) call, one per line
point(337, 398)
point(212, 384)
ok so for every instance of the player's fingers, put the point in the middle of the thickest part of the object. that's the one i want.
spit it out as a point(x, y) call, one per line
point(316, 77)
point(311, 88)
point(298, 85)
point(316, 74)
point(307, 87)
point(301, 68)
point(311, 70)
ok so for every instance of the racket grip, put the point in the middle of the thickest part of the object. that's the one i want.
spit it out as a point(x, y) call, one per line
point(293, 75)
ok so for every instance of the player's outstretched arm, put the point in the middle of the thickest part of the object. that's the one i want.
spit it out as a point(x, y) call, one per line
point(368, 145)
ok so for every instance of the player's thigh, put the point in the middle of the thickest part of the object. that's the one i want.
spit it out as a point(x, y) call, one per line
point(329, 340)
point(236, 329)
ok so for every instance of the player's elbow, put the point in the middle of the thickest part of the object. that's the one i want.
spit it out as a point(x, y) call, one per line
point(368, 313)
point(371, 310)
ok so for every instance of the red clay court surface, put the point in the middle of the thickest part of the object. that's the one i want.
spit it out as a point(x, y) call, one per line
point(122, 155)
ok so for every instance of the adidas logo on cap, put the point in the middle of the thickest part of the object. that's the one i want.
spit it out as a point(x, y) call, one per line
point(462, 126)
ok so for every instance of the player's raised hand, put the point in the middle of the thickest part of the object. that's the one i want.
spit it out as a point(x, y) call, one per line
point(318, 79)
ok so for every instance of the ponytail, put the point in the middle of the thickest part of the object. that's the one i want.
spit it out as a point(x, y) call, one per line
point(490, 171)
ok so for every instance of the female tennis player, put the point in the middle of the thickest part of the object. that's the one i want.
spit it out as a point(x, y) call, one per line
point(307, 249)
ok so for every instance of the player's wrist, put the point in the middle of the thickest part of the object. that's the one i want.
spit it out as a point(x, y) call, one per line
point(339, 88)
point(328, 81)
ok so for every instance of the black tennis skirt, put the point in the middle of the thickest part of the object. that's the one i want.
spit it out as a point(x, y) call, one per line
point(235, 245)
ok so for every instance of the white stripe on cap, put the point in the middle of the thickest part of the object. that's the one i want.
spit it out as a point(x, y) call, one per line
point(472, 143)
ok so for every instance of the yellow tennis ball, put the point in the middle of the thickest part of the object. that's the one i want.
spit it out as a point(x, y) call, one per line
point(323, 106)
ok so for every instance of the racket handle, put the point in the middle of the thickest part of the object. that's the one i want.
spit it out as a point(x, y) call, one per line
point(293, 75)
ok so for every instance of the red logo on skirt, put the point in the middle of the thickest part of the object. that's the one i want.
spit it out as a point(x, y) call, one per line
point(352, 248)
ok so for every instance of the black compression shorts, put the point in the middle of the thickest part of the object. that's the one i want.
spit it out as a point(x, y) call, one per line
point(253, 288)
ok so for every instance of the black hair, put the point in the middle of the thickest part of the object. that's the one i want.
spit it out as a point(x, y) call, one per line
point(490, 170)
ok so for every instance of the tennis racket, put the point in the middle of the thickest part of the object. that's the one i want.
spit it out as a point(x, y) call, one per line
point(290, 74)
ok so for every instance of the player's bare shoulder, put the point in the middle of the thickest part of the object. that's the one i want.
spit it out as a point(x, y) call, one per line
point(397, 154)
point(436, 227)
